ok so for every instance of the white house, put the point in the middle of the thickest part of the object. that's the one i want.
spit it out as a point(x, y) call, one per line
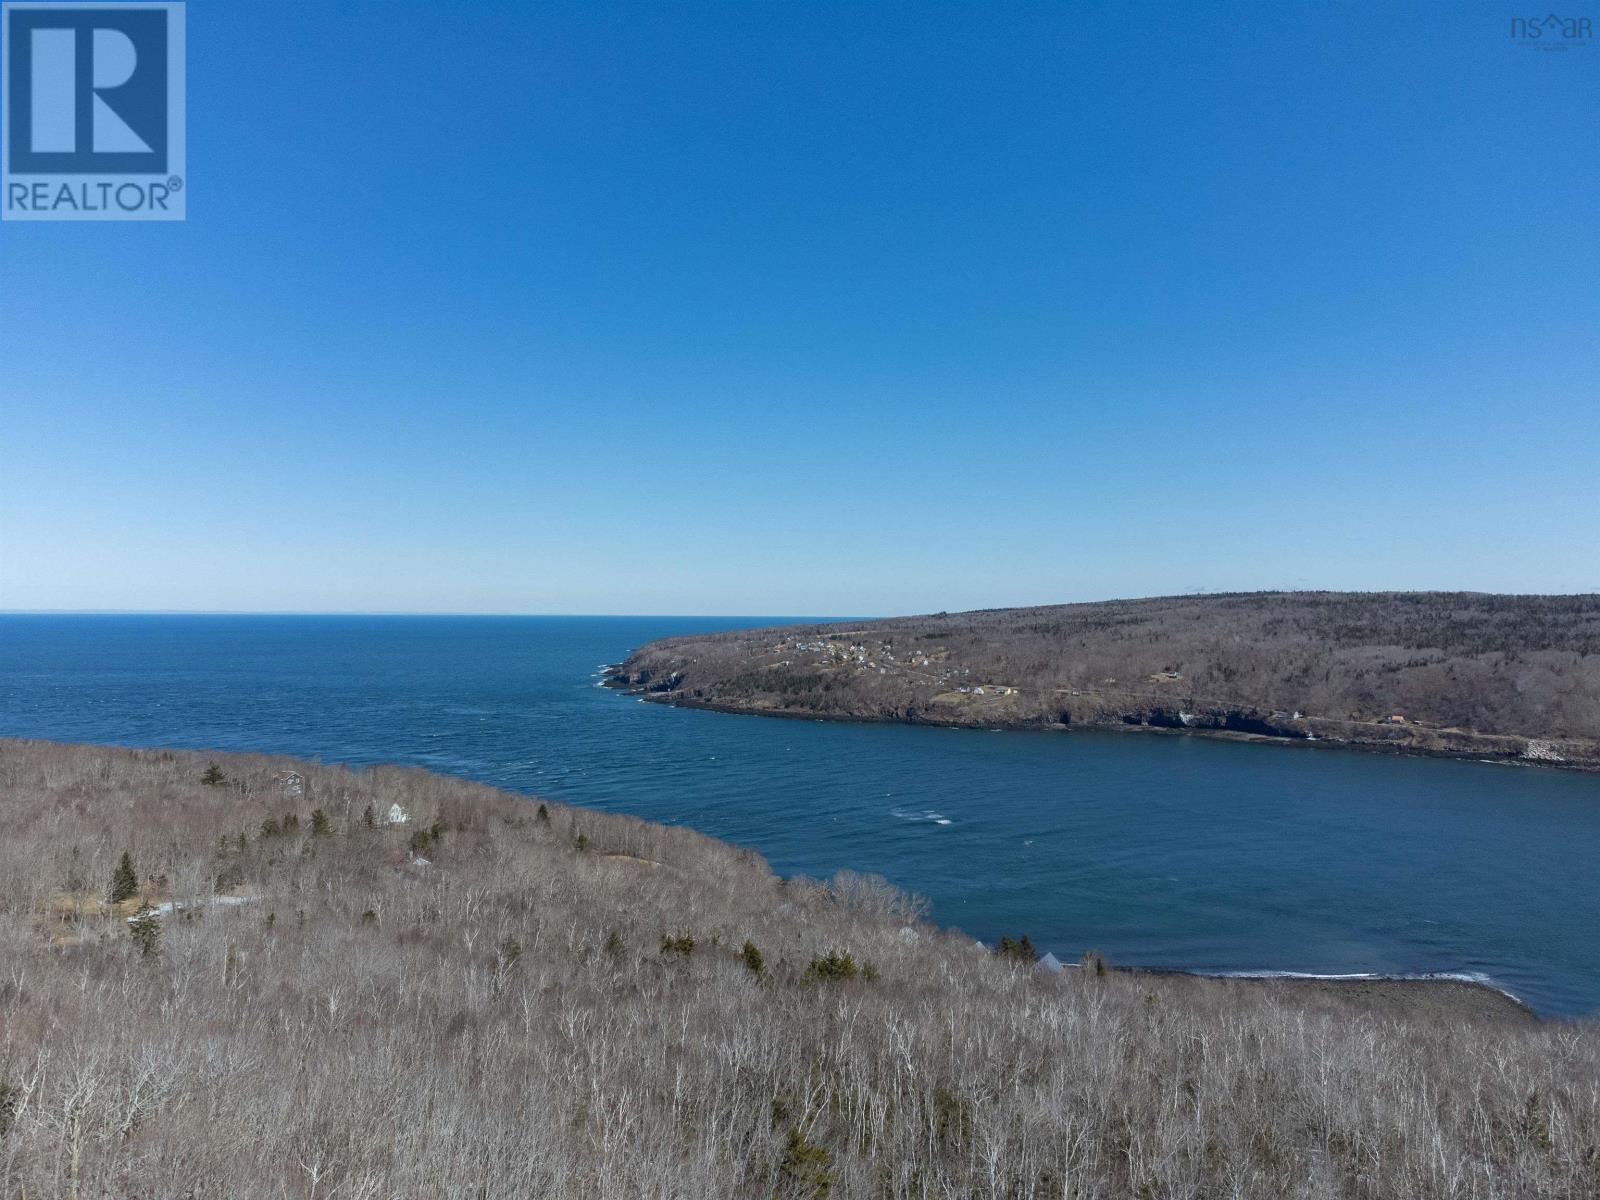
point(397, 815)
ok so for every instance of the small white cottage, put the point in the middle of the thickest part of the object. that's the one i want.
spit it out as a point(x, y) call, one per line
point(397, 815)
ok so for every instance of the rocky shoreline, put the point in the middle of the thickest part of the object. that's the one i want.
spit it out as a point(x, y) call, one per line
point(1508, 679)
point(1236, 724)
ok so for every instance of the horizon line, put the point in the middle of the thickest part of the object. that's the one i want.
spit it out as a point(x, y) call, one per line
point(383, 612)
point(1195, 594)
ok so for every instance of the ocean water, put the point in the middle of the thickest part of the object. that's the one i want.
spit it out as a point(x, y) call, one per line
point(1158, 851)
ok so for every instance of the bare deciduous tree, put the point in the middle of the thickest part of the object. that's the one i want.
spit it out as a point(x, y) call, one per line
point(505, 1026)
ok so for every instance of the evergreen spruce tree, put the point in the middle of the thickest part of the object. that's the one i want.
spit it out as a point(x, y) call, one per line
point(807, 1169)
point(832, 966)
point(320, 825)
point(213, 776)
point(124, 880)
point(146, 931)
point(752, 958)
point(1018, 950)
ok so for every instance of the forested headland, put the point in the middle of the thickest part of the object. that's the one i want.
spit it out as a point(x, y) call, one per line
point(1514, 678)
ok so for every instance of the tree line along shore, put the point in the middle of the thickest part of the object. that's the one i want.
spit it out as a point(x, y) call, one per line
point(242, 976)
point(1505, 678)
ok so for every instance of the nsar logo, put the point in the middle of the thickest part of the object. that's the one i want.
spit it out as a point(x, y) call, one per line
point(1552, 32)
point(92, 112)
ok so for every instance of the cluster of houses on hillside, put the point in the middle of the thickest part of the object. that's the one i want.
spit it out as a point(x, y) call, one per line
point(931, 667)
point(879, 657)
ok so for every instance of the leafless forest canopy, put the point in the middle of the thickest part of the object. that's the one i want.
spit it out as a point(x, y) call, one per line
point(282, 994)
point(1526, 666)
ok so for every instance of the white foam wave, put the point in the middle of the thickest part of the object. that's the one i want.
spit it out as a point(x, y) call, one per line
point(926, 814)
point(1477, 977)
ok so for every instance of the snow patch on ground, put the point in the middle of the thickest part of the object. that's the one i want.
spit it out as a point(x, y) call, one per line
point(168, 907)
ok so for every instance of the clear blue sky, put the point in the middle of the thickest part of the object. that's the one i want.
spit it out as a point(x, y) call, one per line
point(822, 307)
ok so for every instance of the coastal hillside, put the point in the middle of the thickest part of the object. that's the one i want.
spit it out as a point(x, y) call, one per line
point(238, 976)
point(1509, 677)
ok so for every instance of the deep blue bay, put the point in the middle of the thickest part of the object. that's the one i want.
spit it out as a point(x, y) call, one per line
point(1160, 851)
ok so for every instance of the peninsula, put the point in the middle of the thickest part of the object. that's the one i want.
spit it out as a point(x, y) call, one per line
point(1508, 678)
